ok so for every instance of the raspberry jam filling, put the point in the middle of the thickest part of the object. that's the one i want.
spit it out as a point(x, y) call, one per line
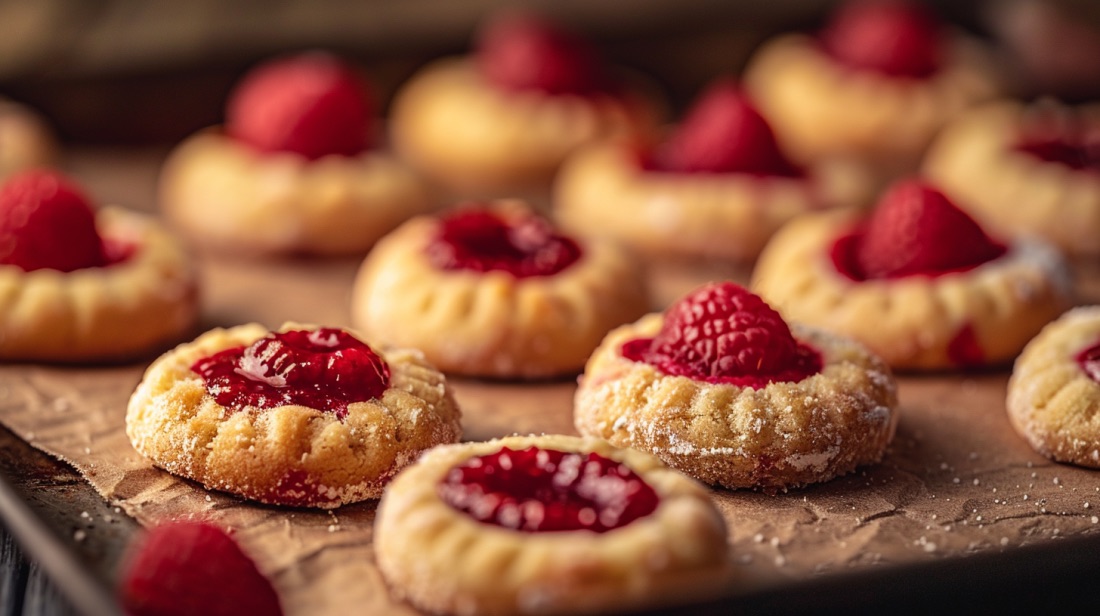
point(722, 333)
point(896, 38)
point(1089, 360)
point(325, 369)
point(482, 241)
point(545, 490)
point(1079, 155)
point(914, 231)
point(46, 222)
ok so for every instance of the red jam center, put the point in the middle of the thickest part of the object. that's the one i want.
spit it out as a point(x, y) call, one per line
point(1089, 360)
point(545, 490)
point(722, 333)
point(1078, 155)
point(325, 369)
point(482, 241)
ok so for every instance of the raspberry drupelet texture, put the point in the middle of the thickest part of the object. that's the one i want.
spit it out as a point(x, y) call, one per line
point(722, 333)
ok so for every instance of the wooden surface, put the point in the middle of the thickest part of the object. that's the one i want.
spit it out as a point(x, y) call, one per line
point(957, 488)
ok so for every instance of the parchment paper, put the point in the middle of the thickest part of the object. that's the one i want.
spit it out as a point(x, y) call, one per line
point(956, 480)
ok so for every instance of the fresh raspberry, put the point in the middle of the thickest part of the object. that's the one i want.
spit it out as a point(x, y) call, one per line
point(916, 230)
point(724, 133)
point(189, 568)
point(724, 333)
point(897, 38)
point(312, 104)
point(519, 51)
point(46, 222)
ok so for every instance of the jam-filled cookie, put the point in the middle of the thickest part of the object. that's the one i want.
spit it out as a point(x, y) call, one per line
point(719, 185)
point(1054, 392)
point(918, 281)
point(875, 85)
point(721, 388)
point(505, 118)
point(295, 169)
point(494, 290)
point(26, 141)
point(79, 284)
point(302, 416)
point(547, 525)
point(1026, 170)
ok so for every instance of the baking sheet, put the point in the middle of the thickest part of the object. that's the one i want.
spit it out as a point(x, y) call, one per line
point(955, 482)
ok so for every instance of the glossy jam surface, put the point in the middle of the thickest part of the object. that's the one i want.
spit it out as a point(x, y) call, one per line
point(914, 231)
point(481, 240)
point(545, 490)
point(524, 52)
point(892, 37)
point(1076, 154)
point(1089, 360)
point(46, 222)
point(722, 333)
point(723, 132)
point(311, 104)
point(325, 369)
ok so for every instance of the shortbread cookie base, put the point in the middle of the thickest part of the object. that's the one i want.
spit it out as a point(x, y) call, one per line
point(226, 195)
point(458, 128)
point(820, 108)
point(121, 311)
point(288, 455)
point(783, 435)
point(602, 191)
point(444, 561)
point(1014, 193)
point(912, 322)
point(493, 324)
point(25, 139)
point(1051, 402)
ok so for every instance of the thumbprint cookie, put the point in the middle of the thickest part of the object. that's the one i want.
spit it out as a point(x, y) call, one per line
point(294, 170)
point(918, 281)
point(302, 416)
point(494, 290)
point(545, 525)
point(80, 284)
point(504, 118)
point(721, 388)
point(874, 85)
point(718, 187)
point(1054, 392)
